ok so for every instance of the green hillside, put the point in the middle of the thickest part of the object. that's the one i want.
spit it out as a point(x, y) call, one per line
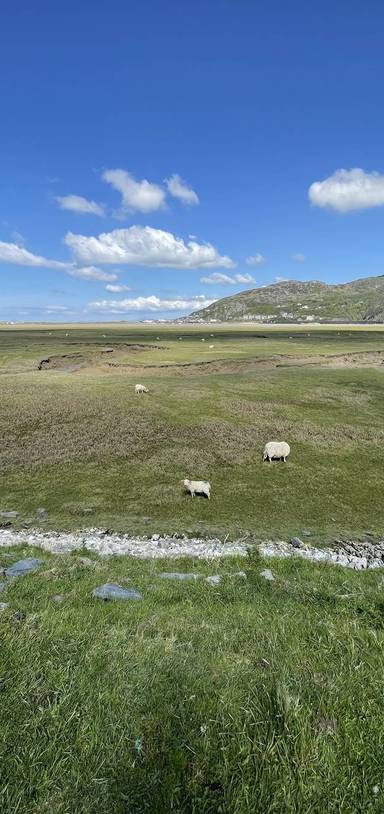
point(295, 301)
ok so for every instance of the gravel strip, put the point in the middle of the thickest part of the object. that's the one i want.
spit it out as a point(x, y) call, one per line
point(358, 556)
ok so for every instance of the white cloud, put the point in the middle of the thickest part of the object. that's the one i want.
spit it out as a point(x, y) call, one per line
point(17, 255)
point(298, 257)
point(145, 246)
point(137, 196)
point(56, 308)
point(76, 203)
point(91, 273)
point(255, 260)
point(179, 189)
point(218, 279)
point(224, 279)
point(12, 253)
point(280, 280)
point(151, 303)
point(347, 190)
point(116, 289)
point(244, 278)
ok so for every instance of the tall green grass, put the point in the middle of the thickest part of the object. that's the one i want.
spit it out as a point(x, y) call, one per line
point(246, 696)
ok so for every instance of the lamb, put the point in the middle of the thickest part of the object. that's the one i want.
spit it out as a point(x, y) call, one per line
point(140, 389)
point(276, 449)
point(198, 487)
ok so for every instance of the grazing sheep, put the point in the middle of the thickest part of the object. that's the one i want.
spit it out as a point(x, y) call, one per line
point(276, 449)
point(211, 346)
point(140, 389)
point(198, 487)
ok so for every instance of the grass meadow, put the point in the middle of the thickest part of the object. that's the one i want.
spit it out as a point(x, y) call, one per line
point(80, 443)
point(247, 696)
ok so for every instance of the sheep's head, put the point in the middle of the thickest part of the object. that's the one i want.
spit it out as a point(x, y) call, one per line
point(186, 482)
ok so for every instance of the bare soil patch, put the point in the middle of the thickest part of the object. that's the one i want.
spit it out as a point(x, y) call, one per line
point(356, 359)
point(75, 361)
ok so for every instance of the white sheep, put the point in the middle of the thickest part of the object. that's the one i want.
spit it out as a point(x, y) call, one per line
point(276, 449)
point(198, 487)
point(211, 346)
point(140, 389)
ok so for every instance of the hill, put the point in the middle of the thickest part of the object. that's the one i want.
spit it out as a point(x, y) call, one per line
point(294, 301)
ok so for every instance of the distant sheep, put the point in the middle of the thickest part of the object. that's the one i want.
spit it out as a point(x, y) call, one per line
point(276, 449)
point(211, 346)
point(198, 487)
point(140, 389)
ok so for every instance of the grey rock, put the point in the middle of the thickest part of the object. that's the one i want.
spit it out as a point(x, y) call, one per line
point(58, 598)
point(113, 592)
point(267, 574)
point(307, 534)
point(178, 576)
point(215, 579)
point(241, 574)
point(9, 515)
point(296, 542)
point(87, 562)
point(19, 616)
point(3, 606)
point(358, 563)
point(41, 513)
point(3, 586)
point(26, 524)
point(342, 559)
point(155, 537)
point(21, 567)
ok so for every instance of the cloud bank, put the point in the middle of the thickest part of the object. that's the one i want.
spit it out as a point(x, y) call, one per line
point(17, 255)
point(255, 260)
point(217, 278)
point(117, 289)
point(179, 189)
point(145, 246)
point(348, 190)
point(76, 203)
point(151, 303)
point(136, 196)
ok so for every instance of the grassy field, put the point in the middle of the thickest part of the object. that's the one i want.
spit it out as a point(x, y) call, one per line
point(80, 444)
point(249, 696)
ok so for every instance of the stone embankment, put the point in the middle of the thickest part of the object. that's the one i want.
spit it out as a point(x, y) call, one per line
point(357, 555)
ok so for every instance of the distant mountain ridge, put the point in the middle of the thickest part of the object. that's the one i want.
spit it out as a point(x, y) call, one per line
point(295, 301)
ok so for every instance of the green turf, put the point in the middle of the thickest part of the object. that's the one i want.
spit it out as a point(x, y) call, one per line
point(246, 697)
point(84, 447)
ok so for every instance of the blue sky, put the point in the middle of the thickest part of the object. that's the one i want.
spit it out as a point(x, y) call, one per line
point(191, 137)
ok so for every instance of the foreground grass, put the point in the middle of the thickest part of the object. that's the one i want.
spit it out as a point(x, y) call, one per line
point(246, 696)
